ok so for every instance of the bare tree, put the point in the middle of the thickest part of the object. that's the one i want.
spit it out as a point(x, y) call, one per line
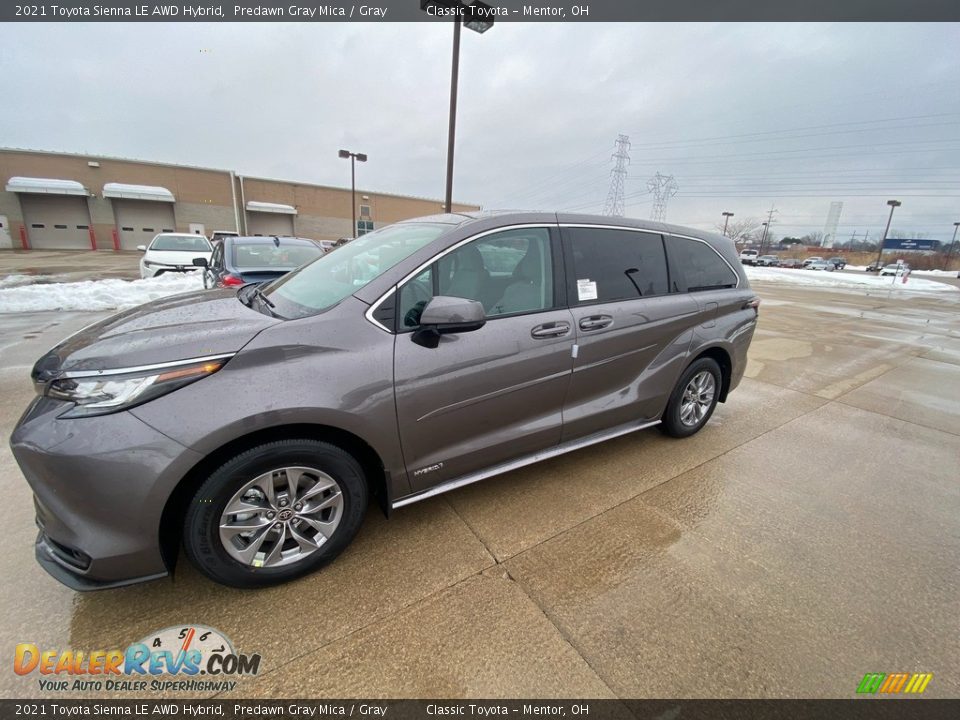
point(813, 238)
point(739, 230)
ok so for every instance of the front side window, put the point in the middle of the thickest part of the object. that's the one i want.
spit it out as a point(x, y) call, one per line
point(509, 272)
point(330, 278)
point(695, 266)
point(611, 265)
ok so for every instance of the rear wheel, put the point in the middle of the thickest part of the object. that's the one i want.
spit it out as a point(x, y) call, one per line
point(693, 399)
point(275, 512)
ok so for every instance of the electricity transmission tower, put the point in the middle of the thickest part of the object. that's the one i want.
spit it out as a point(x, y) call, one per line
point(618, 176)
point(663, 188)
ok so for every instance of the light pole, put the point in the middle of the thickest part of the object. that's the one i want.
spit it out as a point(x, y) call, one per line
point(726, 219)
point(479, 22)
point(353, 183)
point(893, 205)
point(763, 237)
point(946, 265)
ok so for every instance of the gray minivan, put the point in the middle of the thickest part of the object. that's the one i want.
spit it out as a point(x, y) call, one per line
point(253, 425)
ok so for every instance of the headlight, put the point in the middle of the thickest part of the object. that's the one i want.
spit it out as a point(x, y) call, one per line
point(103, 394)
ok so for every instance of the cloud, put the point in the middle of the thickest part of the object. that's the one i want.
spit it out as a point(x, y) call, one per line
point(743, 115)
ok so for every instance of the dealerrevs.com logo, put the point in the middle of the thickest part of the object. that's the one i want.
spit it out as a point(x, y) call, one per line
point(202, 657)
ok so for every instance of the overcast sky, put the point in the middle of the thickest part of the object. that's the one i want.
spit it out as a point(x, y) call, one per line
point(742, 115)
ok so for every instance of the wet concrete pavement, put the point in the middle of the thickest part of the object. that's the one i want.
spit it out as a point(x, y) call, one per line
point(808, 535)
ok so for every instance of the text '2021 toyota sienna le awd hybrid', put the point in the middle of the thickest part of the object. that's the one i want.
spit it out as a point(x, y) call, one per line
point(252, 425)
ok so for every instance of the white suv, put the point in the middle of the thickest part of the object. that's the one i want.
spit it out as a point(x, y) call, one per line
point(748, 257)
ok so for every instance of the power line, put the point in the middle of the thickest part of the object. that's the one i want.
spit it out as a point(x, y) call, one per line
point(653, 145)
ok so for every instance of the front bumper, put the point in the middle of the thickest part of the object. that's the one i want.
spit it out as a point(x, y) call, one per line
point(100, 486)
point(154, 269)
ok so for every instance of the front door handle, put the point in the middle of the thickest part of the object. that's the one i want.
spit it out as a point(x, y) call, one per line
point(549, 330)
point(595, 322)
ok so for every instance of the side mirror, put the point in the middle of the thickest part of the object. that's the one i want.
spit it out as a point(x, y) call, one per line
point(448, 315)
point(200, 262)
point(142, 248)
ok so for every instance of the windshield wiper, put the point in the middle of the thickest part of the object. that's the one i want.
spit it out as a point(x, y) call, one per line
point(258, 293)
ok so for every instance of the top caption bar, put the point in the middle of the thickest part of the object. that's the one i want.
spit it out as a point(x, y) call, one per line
point(496, 10)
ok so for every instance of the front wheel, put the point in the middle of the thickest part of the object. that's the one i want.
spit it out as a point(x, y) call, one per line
point(693, 399)
point(275, 512)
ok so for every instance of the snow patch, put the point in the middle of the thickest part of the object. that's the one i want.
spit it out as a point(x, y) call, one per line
point(821, 278)
point(18, 295)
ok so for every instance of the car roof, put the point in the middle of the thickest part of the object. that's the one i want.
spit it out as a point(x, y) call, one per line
point(507, 217)
point(269, 240)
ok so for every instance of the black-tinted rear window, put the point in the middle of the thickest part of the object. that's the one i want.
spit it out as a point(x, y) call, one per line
point(695, 266)
point(613, 265)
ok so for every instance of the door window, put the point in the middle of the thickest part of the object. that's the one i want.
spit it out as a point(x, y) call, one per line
point(509, 272)
point(611, 265)
point(695, 266)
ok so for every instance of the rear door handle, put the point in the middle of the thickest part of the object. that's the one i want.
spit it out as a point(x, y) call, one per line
point(549, 330)
point(596, 322)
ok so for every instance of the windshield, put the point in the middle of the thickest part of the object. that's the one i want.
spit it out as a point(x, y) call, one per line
point(332, 277)
point(249, 256)
point(183, 243)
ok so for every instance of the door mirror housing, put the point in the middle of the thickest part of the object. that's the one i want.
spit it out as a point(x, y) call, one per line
point(200, 262)
point(446, 315)
point(142, 248)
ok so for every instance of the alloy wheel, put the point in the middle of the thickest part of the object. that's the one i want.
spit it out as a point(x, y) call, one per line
point(697, 398)
point(281, 516)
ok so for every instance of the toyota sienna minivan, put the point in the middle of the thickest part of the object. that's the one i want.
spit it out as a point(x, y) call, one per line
point(252, 425)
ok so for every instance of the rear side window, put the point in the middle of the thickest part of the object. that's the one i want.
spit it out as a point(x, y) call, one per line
point(696, 266)
point(610, 265)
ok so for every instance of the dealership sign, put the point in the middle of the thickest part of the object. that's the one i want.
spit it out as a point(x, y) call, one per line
point(915, 244)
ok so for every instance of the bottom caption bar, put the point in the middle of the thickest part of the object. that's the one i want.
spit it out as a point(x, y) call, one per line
point(866, 708)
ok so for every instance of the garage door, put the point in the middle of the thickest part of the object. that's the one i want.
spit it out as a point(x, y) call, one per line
point(56, 222)
point(269, 223)
point(139, 220)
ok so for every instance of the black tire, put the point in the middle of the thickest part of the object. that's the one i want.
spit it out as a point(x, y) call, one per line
point(671, 423)
point(201, 533)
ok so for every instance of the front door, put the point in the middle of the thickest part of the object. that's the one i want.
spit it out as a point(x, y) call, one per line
point(495, 394)
point(632, 332)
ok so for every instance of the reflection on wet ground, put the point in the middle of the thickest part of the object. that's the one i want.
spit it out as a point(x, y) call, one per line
point(808, 535)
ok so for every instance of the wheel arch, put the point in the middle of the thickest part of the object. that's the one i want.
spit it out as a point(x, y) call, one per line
point(171, 519)
point(722, 357)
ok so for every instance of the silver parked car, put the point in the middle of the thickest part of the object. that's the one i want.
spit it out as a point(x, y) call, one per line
point(252, 425)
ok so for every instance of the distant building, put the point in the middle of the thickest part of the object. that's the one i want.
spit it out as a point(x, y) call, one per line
point(63, 201)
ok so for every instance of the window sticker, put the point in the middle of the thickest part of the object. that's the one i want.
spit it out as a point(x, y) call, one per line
point(586, 289)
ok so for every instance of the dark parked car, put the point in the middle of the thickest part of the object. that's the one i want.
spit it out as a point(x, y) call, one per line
point(241, 260)
point(790, 263)
point(252, 425)
point(838, 262)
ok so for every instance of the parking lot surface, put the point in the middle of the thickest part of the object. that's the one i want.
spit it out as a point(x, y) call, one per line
point(808, 535)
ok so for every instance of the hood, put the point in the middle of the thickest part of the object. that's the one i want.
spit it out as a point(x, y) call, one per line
point(180, 327)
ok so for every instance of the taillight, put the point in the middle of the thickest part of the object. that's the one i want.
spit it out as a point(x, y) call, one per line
point(229, 280)
point(752, 303)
